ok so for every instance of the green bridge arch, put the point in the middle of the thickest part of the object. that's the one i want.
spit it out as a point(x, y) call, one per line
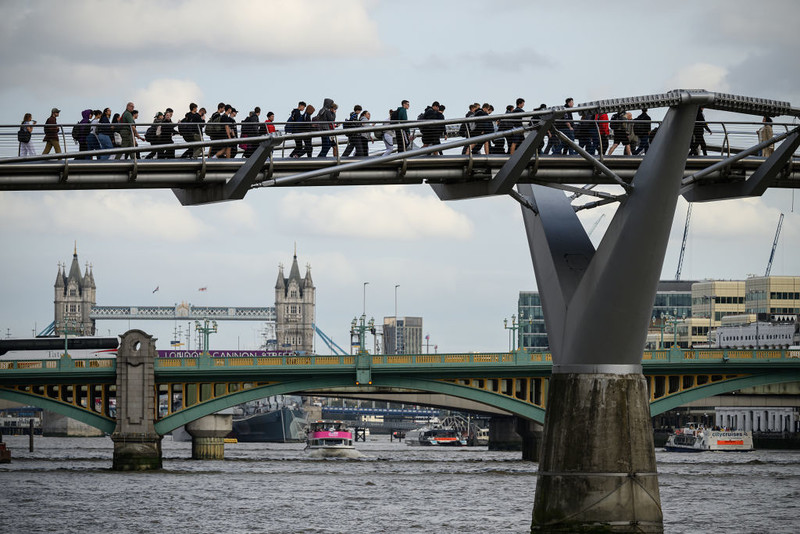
point(187, 415)
point(726, 386)
point(503, 402)
point(83, 415)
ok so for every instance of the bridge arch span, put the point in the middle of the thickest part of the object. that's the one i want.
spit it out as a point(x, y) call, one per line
point(187, 415)
point(105, 424)
point(717, 388)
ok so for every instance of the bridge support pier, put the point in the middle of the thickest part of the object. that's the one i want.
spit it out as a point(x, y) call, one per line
point(531, 434)
point(597, 470)
point(598, 465)
point(208, 436)
point(503, 434)
point(137, 446)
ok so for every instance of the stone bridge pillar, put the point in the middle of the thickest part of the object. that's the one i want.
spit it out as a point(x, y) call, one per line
point(503, 434)
point(208, 436)
point(531, 434)
point(137, 446)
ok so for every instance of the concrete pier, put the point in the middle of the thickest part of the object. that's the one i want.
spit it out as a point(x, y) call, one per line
point(208, 436)
point(137, 446)
point(530, 433)
point(503, 434)
point(597, 472)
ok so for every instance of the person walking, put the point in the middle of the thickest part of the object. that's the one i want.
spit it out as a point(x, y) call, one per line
point(326, 119)
point(25, 135)
point(191, 132)
point(516, 139)
point(362, 148)
point(641, 127)
point(127, 130)
point(765, 134)
point(308, 145)
point(566, 126)
point(353, 140)
point(51, 133)
point(401, 134)
point(388, 135)
point(698, 141)
point(619, 126)
point(294, 125)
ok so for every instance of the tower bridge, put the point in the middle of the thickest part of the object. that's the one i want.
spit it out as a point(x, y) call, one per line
point(596, 301)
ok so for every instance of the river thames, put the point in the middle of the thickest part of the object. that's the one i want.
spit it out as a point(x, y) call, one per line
point(66, 485)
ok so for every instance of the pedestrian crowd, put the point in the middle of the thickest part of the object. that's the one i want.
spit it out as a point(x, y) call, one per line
point(594, 133)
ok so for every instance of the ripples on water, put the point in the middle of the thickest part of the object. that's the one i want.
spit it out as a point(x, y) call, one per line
point(66, 485)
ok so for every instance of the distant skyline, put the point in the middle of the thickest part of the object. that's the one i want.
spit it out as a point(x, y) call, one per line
point(460, 265)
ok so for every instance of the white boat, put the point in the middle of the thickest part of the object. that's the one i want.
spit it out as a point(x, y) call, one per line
point(330, 439)
point(699, 439)
point(437, 436)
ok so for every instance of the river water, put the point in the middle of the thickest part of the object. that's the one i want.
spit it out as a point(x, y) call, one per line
point(66, 485)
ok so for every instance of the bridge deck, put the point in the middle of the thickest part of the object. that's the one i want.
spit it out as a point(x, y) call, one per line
point(188, 174)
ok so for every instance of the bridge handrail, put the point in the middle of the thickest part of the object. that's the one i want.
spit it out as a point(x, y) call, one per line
point(689, 357)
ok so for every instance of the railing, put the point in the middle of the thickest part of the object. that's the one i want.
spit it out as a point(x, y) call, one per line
point(726, 137)
point(389, 361)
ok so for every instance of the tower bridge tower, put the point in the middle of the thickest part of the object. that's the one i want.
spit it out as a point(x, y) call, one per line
point(75, 294)
point(295, 302)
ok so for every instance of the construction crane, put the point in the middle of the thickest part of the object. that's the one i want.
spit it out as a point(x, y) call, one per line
point(683, 244)
point(774, 244)
point(335, 349)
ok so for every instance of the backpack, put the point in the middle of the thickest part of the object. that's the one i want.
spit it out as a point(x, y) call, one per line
point(184, 126)
point(79, 132)
point(214, 127)
point(23, 135)
point(250, 130)
point(641, 127)
point(351, 122)
point(151, 135)
point(393, 115)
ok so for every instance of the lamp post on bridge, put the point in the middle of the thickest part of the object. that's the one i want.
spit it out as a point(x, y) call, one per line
point(206, 328)
point(674, 320)
point(69, 323)
point(661, 326)
point(514, 342)
point(358, 329)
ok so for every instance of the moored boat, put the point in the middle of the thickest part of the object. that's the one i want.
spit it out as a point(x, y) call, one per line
point(438, 436)
point(699, 439)
point(330, 439)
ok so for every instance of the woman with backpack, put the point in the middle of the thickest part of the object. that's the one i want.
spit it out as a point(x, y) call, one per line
point(24, 136)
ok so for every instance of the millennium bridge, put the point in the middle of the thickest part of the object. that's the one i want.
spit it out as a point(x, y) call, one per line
point(596, 301)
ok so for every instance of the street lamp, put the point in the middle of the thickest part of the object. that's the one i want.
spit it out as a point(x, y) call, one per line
point(710, 299)
point(514, 329)
point(206, 328)
point(364, 312)
point(67, 324)
point(674, 320)
point(395, 318)
point(661, 326)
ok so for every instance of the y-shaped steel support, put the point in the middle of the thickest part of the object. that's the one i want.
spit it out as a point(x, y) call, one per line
point(598, 463)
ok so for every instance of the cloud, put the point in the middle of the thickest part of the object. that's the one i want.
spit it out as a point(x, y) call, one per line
point(376, 213)
point(151, 30)
point(700, 76)
point(106, 214)
point(163, 93)
point(733, 219)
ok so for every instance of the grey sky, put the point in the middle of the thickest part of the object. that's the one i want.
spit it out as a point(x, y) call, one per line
point(459, 265)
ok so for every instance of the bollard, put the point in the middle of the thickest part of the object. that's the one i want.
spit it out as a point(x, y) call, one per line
point(30, 440)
